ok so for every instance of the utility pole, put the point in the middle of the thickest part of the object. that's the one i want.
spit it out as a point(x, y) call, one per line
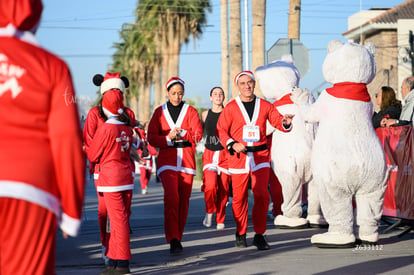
point(294, 19)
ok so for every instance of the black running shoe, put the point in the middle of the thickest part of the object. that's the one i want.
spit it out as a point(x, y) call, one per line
point(260, 242)
point(175, 247)
point(240, 240)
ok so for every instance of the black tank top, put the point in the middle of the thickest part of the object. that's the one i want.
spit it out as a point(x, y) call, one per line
point(210, 126)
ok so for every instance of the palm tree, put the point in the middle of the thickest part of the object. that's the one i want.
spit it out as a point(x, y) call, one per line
point(224, 49)
point(236, 59)
point(176, 22)
point(150, 49)
point(258, 36)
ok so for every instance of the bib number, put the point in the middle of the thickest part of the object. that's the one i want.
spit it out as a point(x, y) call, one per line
point(251, 133)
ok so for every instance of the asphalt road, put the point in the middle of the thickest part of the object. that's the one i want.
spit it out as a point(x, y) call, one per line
point(208, 251)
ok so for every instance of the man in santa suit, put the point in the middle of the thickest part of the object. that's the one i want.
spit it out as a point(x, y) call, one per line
point(175, 128)
point(42, 165)
point(242, 130)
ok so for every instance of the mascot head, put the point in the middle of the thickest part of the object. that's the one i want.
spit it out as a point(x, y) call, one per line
point(278, 78)
point(349, 62)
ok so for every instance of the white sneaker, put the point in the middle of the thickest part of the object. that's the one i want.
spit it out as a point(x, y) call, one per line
point(220, 226)
point(207, 220)
point(144, 191)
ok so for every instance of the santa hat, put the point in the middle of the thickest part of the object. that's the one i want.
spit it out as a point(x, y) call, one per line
point(249, 73)
point(22, 14)
point(112, 103)
point(111, 81)
point(174, 80)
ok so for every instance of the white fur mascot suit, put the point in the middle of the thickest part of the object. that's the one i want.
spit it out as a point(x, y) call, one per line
point(290, 152)
point(348, 160)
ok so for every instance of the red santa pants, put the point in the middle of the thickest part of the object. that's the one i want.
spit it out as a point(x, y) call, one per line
point(119, 210)
point(27, 238)
point(177, 191)
point(216, 193)
point(145, 175)
point(259, 183)
point(275, 193)
point(102, 217)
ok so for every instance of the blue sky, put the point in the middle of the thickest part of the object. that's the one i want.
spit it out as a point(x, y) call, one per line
point(83, 33)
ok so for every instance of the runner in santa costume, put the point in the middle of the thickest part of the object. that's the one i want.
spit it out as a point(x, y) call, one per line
point(110, 149)
point(242, 130)
point(145, 168)
point(216, 177)
point(175, 128)
point(95, 118)
point(42, 166)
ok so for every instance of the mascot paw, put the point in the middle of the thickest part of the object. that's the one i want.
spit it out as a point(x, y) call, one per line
point(284, 222)
point(333, 240)
point(317, 221)
point(369, 239)
point(300, 96)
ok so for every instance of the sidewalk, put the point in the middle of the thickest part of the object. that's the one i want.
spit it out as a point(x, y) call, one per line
point(208, 251)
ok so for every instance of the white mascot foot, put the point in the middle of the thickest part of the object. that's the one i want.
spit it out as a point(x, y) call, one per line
point(333, 240)
point(371, 239)
point(317, 221)
point(284, 222)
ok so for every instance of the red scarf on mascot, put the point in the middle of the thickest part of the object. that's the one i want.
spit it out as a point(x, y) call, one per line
point(283, 101)
point(350, 90)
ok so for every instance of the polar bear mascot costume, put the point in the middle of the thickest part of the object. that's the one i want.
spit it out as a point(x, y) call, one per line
point(290, 152)
point(348, 161)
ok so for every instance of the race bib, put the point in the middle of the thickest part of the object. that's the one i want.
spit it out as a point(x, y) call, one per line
point(251, 133)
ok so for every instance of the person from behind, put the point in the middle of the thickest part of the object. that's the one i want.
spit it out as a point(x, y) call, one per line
point(95, 118)
point(110, 149)
point(390, 106)
point(42, 165)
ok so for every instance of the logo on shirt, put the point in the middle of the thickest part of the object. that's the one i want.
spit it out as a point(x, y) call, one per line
point(124, 140)
point(9, 76)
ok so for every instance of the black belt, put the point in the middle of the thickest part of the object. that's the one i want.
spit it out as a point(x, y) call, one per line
point(256, 148)
point(182, 144)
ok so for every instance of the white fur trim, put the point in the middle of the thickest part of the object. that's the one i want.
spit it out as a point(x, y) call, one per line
point(112, 83)
point(115, 188)
point(174, 168)
point(107, 112)
point(70, 225)
point(12, 31)
point(27, 192)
